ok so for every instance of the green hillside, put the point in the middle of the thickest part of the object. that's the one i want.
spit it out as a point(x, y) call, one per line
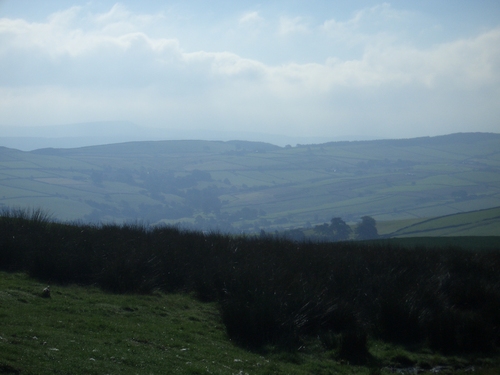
point(137, 299)
point(475, 223)
point(247, 186)
point(86, 331)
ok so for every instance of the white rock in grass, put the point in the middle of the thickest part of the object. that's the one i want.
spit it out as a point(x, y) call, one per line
point(46, 292)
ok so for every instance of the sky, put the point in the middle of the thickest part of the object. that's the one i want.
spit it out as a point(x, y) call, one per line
point(324, 69)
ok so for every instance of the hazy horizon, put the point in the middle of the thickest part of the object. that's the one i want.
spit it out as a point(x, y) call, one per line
point(29, 138)
point(281, 71)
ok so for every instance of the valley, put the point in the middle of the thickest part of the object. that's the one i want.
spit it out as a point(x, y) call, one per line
point(245, 187)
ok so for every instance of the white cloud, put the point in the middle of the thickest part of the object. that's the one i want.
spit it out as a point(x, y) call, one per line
point(251, 18)
point(118, 13)
point(380, 24)
point(227, 64)
point(294, 25)
point(119, 20)
point(69, 32)
point(65, 17)
point(78, 66)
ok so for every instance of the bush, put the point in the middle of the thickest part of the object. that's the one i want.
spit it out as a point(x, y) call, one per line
point(452, 331)
point(353, 346)
point(252, 321)
point(274, 290)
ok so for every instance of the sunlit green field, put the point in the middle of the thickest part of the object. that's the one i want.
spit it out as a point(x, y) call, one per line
point(86, 331)
point(289, 187)
point(476, 223)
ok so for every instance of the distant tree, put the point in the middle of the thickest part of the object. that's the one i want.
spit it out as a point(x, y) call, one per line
point(337, 230)
point(323, 229)
point(340, 230)
point(295, 235)
point(366, 229)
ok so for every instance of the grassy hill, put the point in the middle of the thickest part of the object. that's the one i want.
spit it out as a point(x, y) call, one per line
point(247, 186)
point(134, 299)
point(82, 330)
point(478, 223)
point(475, 223)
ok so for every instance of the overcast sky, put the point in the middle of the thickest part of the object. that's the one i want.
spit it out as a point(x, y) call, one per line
point(298, 68)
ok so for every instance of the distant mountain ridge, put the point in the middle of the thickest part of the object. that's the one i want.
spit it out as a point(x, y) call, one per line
point(154, 147)
point(99, 129)
point(110, 132)
point(244, 186)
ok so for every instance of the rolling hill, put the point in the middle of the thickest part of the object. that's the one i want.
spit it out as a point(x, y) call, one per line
point(476, 223)
point(239, 186)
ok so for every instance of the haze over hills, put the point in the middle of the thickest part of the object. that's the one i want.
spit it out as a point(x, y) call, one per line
point(237, 186)
point(321, 68)
point(151, 98)
point(29, 138)
point(286, 125)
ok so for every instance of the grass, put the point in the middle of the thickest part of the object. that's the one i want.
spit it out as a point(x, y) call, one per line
point(82, 330)
point(384, 179)
point(474, 243)
point(479, 222)
point(389, 226)
point(310, 307)
point(85, 331)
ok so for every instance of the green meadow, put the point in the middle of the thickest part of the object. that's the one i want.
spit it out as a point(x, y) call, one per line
point(475, 223)
point(243, 187)
point(82, 330)
point(139, 300)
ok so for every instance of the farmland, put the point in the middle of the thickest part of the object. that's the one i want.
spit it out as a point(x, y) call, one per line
point(128, 299)
point(247, 186)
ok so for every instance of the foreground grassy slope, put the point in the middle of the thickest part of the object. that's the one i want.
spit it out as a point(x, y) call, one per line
point(277, 291)
point(246, 186)
point(86, 331)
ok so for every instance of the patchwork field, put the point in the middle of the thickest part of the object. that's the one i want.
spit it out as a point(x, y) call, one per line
point(248, 186)
point(475, 223)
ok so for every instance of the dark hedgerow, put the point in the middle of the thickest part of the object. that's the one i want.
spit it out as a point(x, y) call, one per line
point(452, 331)
point(252, 319)
point(354, 346)
point(277, 291)
point(20, 230)
point(61, 257)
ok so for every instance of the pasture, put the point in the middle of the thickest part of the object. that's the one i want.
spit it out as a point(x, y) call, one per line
point(132, 298)
point(290, 187)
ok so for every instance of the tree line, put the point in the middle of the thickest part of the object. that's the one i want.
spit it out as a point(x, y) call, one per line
point(337, 230)
point(276, 291)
